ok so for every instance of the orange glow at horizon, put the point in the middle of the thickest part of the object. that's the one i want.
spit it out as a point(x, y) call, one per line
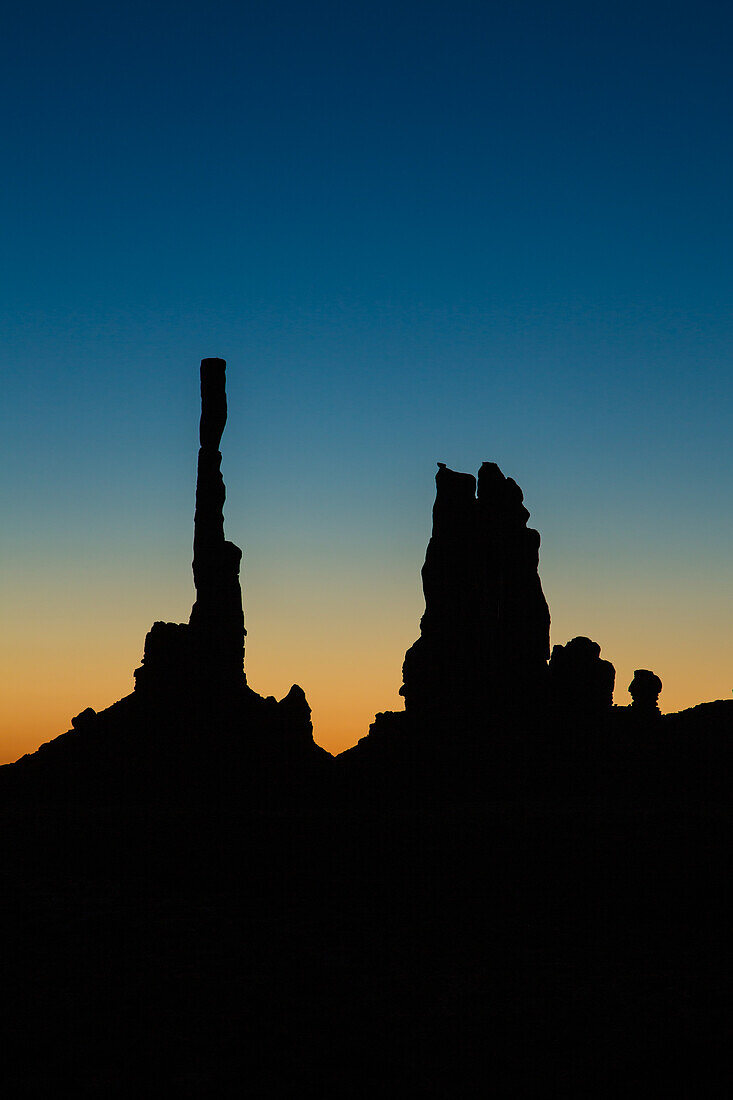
point(74, 634)
point(344, 689)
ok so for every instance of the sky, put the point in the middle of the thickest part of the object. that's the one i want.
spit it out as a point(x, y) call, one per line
point(417, 232)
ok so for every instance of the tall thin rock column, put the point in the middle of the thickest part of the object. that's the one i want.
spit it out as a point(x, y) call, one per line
point(209, 650)
point(217, 619)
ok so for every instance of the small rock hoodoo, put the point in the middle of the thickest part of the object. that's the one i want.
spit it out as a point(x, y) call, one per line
point(644, 690)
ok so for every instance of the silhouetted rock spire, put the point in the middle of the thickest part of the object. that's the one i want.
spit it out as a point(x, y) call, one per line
point(211, 647)
point(217, 619)
point(485, 632)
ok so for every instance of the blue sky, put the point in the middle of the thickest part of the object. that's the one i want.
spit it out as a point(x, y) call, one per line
point(418, 233)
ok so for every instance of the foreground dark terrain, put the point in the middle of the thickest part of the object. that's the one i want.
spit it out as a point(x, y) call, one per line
point(511, 881)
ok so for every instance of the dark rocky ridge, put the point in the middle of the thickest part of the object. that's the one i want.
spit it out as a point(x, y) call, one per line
point(511, 884)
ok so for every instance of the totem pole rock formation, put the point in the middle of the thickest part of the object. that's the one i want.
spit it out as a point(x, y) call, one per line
point(484, 639)
point(579, 680)
point(192, 728)
point(217, 619)
point(211, 647)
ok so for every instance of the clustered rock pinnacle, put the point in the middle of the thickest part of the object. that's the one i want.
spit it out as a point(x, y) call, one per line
point(485, 632)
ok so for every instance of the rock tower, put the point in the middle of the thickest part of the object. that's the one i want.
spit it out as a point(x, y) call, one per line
point(209, 650)
point(484, 637)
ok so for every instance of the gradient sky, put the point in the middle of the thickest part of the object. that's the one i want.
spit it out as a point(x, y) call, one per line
point(417, 232)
